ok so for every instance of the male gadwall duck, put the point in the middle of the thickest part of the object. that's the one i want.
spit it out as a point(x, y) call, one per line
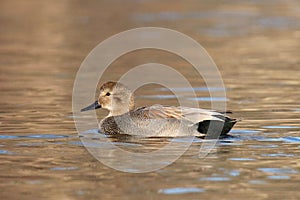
point(156, 120)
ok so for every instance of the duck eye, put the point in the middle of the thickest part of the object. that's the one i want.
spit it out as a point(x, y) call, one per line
point(107, 94)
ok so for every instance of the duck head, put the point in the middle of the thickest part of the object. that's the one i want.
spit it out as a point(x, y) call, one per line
point(115, 97)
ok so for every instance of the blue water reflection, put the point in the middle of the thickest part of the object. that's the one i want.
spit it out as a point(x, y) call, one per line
point(180, 190)
point(215, 178)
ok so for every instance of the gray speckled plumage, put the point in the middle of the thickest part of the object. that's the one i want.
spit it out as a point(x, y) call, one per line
point(156, 120)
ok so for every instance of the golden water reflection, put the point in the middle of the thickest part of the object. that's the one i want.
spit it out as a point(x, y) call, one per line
point(255, 45)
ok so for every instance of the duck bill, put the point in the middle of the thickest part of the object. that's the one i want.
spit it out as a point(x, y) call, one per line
point(93, 106)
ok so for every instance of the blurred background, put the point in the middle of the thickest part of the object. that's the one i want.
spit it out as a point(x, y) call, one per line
point(255, 45)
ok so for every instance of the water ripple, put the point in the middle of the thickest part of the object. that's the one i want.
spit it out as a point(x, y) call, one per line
point(5, 152)
point(280, 127)
point(257, 182)
point(278, 170)
point(215, 178)
point(241, 159)
point(41, 136)
point(63, 168)
point(278, 177)
point(263, 146)
point(237, 131)
point(277, 155)
point(180, 190)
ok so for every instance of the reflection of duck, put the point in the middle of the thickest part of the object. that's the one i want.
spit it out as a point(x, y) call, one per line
point(156, 120)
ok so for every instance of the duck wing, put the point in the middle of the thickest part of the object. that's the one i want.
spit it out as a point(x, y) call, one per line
point(206, 121)
point(193, 115)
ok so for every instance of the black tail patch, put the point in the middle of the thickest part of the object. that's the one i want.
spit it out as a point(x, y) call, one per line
point(215, 128)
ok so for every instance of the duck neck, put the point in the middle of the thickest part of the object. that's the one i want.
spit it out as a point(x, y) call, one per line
point(117, 112)
point(123, 108)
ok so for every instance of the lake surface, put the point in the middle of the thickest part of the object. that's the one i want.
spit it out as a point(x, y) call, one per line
point(255, 46)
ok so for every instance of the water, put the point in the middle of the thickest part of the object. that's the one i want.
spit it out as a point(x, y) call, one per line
point(255, 45)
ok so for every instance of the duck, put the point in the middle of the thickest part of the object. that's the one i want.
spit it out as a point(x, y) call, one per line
point(156, 120)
